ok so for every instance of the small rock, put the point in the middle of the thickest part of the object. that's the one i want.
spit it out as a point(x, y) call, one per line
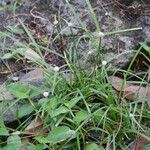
point(4, 93)
point(33, 78)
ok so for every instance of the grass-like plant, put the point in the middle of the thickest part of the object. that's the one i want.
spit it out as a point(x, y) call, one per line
point(81, 111)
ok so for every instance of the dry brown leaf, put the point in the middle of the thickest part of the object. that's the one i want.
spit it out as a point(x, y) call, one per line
point(36, 127)
point(130, 91)
point(138, 144)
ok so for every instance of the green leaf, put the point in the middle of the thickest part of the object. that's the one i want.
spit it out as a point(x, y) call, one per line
point(73, 102)
point(18, 90)
point(3, 132)
point(7, 56)
point(146, 47)
point(53, 103)
point(37, 147)
point(81, 116)
point(41, 139)
point(41, 147)
point(26, 109)
point(59, 134)
point(147, 147)
point(13, 143)
point(31, 147)
point(58, 111)
point(3, 129)
point(20, 51)
point(15, 30)
point(43, 102)
point(97, 116)
point(36, 91)
point(92, 146)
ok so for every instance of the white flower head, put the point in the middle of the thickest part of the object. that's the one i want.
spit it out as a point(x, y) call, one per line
point(131, 115)
point(70, 24)
point(106, 13)
point(98, 34)
point(55, 20)
point(56, 68)
point(101, 34)
point(104, 63)
point(46, 94)
point(15, 78)
point(89, 52)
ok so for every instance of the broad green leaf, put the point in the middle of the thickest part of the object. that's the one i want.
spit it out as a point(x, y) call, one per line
point(53, 103)
point(13, 143)
point(26, 109)
point(59, 134)
point(73, 102)
point(41, 139)
point(58, 111)
point(36, 91)
point(98, 115)
point(92, 146)
point(3, 131)
point(31, 147)
point(43, 102)
point(7, 56)
point(81, 116)
point(18, 90)
point(147, 147)
point(42, 146)
point(13, 139)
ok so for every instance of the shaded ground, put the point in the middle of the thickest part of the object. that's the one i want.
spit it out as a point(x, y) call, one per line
point(39, 16)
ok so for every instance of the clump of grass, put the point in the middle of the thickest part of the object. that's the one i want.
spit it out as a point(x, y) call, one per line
point(79, 111)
